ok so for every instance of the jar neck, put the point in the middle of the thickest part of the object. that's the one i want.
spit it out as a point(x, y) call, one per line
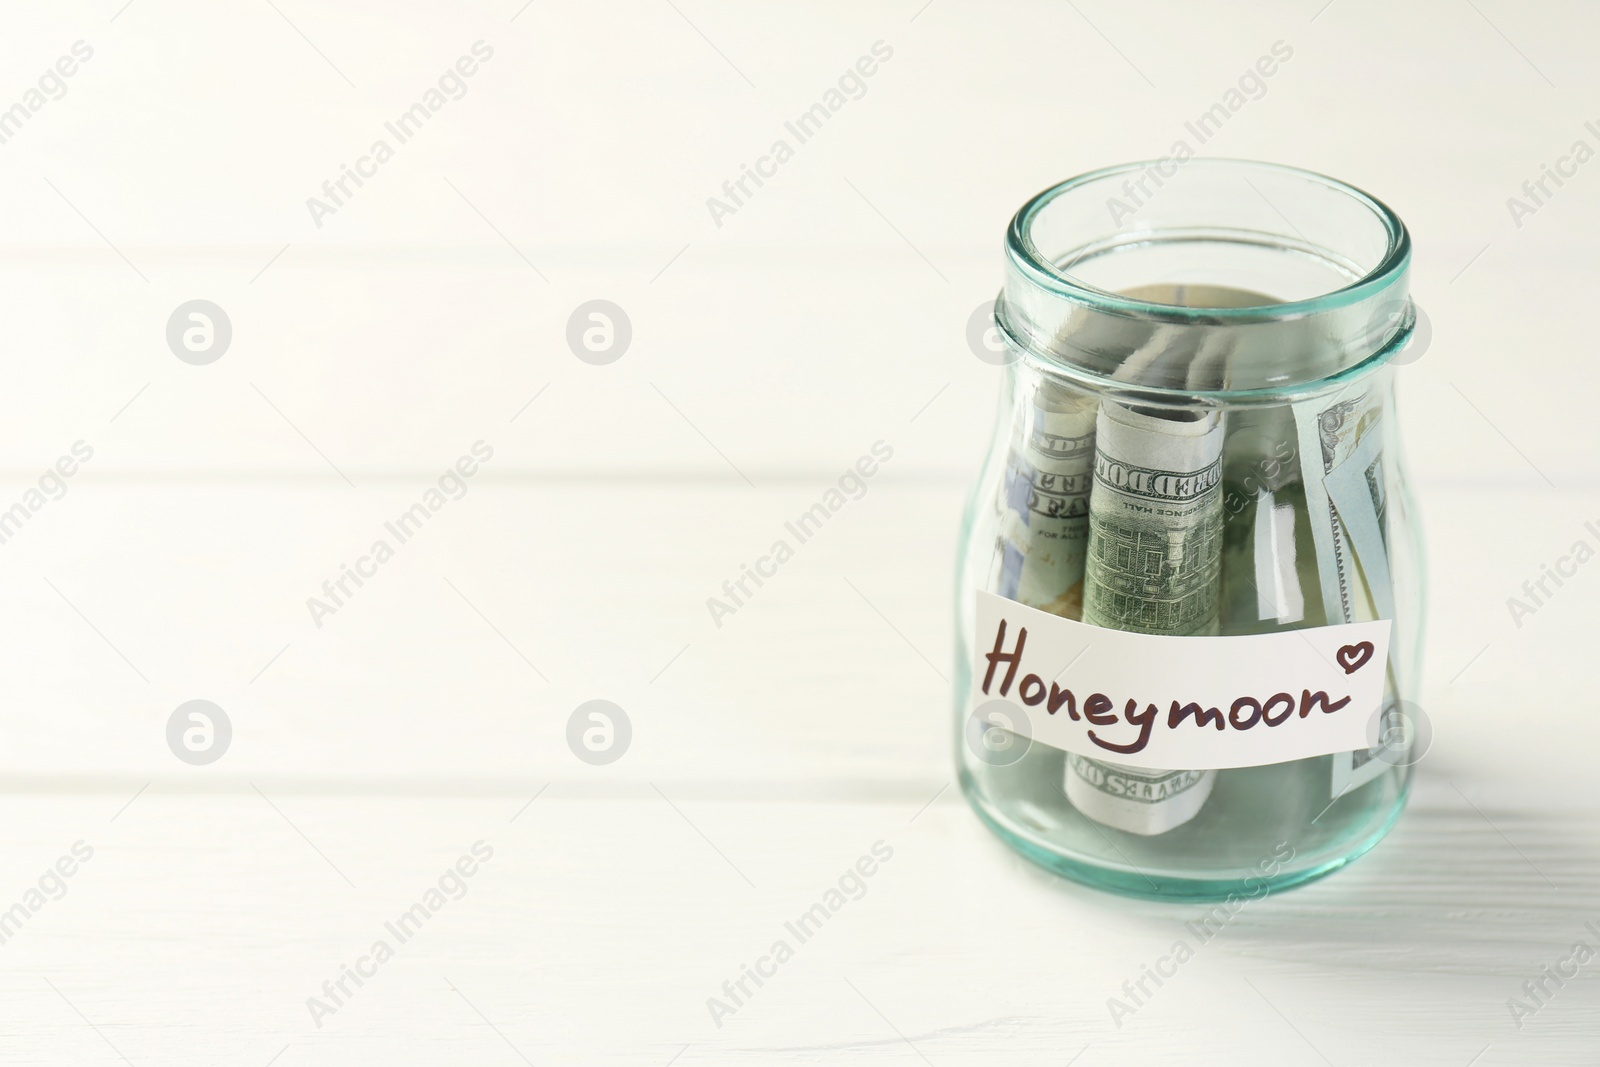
point(1228, 282)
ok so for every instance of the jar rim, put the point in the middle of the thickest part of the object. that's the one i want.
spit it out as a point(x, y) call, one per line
point(1041, 269)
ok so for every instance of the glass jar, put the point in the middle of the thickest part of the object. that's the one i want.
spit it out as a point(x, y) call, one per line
point(1189, 585)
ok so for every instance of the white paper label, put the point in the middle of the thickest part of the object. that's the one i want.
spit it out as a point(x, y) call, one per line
point(1178, 703)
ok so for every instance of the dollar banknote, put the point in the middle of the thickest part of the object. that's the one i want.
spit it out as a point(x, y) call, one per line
point(1043, 535)
point(1154, 566)
point(1341, 438)
point(1046, 527)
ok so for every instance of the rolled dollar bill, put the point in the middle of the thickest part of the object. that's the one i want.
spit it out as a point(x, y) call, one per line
point(1044, 535)
point(1059, 457)
point(1154, 566)
point(1134, 799)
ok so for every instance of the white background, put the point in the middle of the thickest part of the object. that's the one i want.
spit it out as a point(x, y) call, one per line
point(768, 354)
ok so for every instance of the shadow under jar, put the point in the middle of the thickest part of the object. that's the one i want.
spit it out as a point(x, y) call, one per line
point(1191, 537)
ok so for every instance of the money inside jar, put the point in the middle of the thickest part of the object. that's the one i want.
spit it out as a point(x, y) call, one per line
point(1193, 522)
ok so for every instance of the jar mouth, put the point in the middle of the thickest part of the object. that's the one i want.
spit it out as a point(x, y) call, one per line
point(1285, 277)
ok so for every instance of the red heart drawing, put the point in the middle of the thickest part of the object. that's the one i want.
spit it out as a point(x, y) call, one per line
point(1353, 657)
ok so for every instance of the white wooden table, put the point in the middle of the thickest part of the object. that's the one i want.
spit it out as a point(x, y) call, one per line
point(769, 754)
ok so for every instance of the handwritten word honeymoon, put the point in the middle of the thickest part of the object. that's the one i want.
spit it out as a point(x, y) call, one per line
point(1180, 702)
point(1243, 714)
